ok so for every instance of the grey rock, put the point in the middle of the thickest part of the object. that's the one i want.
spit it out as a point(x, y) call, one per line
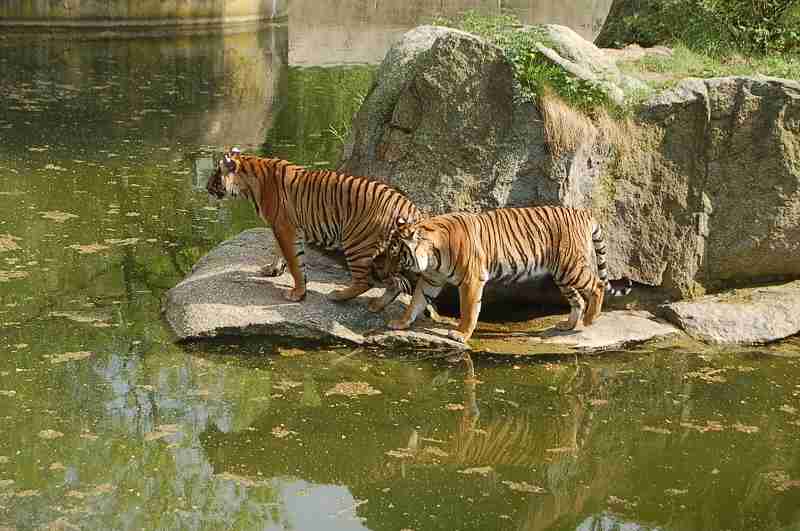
point(611, 331)
point(709, 195)
point(747, 316)
point(226, 295)
point(698, 191)
point(584, 60)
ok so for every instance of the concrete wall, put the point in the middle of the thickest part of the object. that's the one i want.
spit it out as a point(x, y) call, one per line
point(137, 12)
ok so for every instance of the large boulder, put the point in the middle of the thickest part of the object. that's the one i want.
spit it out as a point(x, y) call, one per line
point(748, 316)
point(443, 122)
point(708, 191)
point(698, 191)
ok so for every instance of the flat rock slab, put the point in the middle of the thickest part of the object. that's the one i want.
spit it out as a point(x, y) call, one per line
point(747, 316)
point(611, 331)
point(225, 295)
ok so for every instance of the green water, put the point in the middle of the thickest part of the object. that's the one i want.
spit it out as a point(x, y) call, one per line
point(105, 424)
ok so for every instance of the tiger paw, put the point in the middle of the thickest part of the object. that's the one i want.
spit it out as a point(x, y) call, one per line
point(295, 295)
point(398, 324)
point(347, 293)
point(455, 335)
point(273, 269)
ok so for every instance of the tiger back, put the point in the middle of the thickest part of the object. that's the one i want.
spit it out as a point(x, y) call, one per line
point(335, 211)
point(510, 245)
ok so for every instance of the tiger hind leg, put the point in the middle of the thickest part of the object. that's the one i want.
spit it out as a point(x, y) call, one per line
point(359, 271)
point(577, 308)
point(595, 303)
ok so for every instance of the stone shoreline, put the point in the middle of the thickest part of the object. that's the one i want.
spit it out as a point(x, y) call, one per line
point(226, 296)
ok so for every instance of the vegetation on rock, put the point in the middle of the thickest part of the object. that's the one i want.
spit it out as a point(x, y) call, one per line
point(715, 27)
point(534, 72)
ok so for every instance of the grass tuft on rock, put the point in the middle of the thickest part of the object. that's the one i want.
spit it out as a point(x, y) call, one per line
point(532, 70)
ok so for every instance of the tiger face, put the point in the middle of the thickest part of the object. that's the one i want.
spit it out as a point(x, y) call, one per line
point(407, 250)
point(226, 179)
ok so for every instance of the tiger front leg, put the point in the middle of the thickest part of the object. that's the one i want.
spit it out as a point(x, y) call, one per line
point(292, 248)
point(424, 292)
point(470, 294)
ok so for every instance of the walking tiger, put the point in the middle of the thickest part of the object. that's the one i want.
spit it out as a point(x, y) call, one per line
point(342, 212)
point(508, 244)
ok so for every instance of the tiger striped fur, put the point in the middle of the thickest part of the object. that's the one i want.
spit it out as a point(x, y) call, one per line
point(509, 244)
point(341, 212)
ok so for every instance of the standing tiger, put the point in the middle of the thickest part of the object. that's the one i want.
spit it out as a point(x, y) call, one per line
point(508, 244)
point(354, 214)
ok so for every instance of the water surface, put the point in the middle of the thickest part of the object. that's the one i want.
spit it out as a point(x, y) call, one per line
point(105, 424)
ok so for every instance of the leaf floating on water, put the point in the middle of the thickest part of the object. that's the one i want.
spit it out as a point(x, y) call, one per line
point(50, 434)
point(523, 487)
point(653, 429)
point(81, 317)
point(242, 480)
point(281, 432)
point(745, 429)
point(676, 492)
point(780, 480)
point(711, 425)
point(402, 453)
point(352, 389)
point(62, 524)
point(104, 488)
point(57, 216)
point(54, 167)
point(285, 385)
point(8, 243)
point(480, 470)
point(161, 431)
point(124, 242)
point(5, 276)
point(708, 374)
point(562, 450)
point(435, 451)
point(70, 356)
point(89, 249)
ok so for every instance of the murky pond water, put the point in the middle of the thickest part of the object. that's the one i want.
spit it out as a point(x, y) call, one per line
point(105, 424)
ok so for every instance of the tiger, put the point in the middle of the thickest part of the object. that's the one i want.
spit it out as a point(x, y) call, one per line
point(508, 244)
point(338, 212)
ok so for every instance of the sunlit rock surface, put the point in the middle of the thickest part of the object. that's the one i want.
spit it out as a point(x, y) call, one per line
point(226, 295)
point(747, 316)
point(698, 191)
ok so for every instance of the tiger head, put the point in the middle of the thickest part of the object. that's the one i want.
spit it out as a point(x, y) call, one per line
point(408, 249)
point(225, 179)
